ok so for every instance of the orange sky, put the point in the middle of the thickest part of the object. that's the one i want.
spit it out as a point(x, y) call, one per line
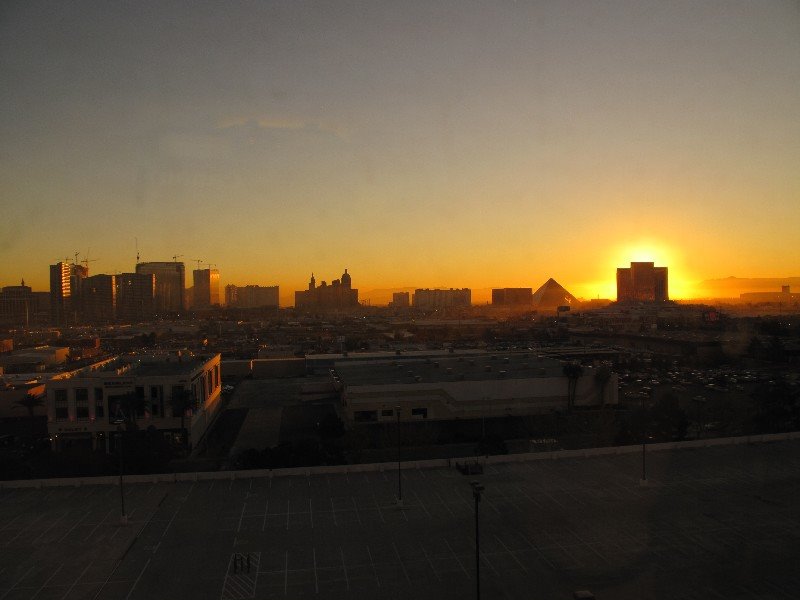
point(417, 144)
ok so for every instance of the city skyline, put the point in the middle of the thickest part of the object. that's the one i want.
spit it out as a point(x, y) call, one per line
point(449, 145)
point(481, 295)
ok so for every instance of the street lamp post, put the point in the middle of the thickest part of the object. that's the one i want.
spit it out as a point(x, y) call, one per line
point(477, 489)
point(643, 480)
point(123, 516)
point(399, 472)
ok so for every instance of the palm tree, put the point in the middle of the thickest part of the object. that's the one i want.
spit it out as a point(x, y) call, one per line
point(131, 405)
point(605, 426)
point(30, 402)
point(572, 371)
point(601, 376)
point(181, 402)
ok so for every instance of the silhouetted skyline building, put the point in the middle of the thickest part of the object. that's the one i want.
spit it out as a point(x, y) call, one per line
point(439, 298)
point(206, 288)
point(642, 282)
point(552, 294)
point(170, 294)
point(400, 300)
point(785, 296)
point(336, 296)
point(251, 296)
point(517, 297)
point(17, 304)
point(99, 299)
point(136, 294)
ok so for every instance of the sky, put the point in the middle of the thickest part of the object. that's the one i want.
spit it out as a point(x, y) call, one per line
point(423, 144)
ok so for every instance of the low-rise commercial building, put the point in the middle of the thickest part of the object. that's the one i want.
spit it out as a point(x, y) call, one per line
point(467, 387)
point(177, 394)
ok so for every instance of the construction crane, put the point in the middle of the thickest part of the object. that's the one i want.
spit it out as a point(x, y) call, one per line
point(198, 261)
point(176, 257)
point(86, 260)
point(210, 265)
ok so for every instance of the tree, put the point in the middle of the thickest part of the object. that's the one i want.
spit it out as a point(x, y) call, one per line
point(30, 402)
point(131, 405)
point(572, 371)
point(182, 401)
point(601, 376)
point(777, 408)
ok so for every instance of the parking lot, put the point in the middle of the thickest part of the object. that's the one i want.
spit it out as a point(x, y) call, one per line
point(719, 522)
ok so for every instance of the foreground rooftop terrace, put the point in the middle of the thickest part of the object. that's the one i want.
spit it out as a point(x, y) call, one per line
point(716, 522)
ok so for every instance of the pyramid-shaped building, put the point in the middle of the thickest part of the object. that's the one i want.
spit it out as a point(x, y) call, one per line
point(551, 295)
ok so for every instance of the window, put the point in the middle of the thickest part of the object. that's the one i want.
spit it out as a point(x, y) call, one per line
point(115, 409)
point(62, 405)
point(217, 380)
point(387, 413)
point(99, 405)
point(82, 404)
point(157, 400)
point(365, 415)
point(210, 387)
point(176, 393)
point(419, 412)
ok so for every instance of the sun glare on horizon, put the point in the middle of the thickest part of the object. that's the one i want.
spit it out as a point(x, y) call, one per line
point(657, 252)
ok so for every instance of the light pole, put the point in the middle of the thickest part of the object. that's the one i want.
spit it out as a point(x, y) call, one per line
point(399, 473)
point(477, 488)
point(123, 520)
point(643, 480)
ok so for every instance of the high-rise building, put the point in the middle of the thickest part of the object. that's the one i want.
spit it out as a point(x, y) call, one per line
point(99, 299)
point(518, 297)
point(170, 296)
point(426, 298)
point(17, 304)
point(251, 296)
point(400, 300)
point(642, 282)
point(336, 296)
point(206, 288)
point(65, 291)
point(136, 293)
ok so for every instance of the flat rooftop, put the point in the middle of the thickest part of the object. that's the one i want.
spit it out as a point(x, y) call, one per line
point(146, 367)
point(478, 367)
point(718, 522)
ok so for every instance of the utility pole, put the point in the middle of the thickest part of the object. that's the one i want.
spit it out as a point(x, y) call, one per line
point(477, 489)
point(643, 480)
point(399, 472)
point(119, 420)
